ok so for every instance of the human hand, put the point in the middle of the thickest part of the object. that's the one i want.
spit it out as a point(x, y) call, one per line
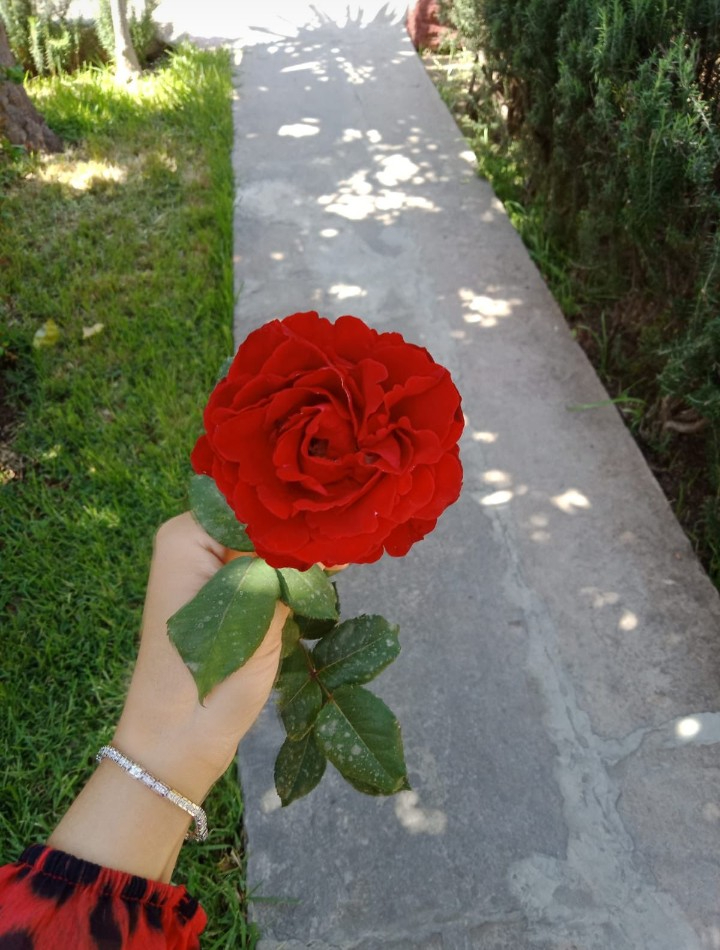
point(163, 725)
point(115, 821)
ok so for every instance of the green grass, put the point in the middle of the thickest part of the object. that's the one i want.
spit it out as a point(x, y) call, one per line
point(131, 228)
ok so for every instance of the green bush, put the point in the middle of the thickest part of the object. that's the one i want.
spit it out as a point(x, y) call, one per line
point(143, 30)
point(15, 15)
point(54, 46)
point(46, 42)
point(614, 106)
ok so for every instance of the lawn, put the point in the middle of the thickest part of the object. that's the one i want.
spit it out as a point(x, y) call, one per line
point(123, 242)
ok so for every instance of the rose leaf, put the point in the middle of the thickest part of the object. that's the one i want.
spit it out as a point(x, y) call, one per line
point(309, 593)
point(298, 768)
point(223, 625)
point(290, 637)
point(361, 737)
point(356, 651)
point(216, 516)
point(313, 629)
point(223, 371)
point(300, 694)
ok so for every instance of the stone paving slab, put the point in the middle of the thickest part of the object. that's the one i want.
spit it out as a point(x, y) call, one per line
point(559, 675)
point(558, 684)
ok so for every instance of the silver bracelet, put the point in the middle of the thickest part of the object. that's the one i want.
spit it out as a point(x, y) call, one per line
point(160, 788)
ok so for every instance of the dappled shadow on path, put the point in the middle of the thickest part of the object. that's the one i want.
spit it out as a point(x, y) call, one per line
point(546, 610)
point(345, 181)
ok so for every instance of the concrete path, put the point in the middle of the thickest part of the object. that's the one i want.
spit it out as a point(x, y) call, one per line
point(558, 684)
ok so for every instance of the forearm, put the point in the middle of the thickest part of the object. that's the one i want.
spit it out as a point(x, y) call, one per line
point(119, 823)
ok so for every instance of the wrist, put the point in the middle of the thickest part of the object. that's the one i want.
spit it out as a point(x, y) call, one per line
point(173, 760)
point(153, 784)
point(118, 823)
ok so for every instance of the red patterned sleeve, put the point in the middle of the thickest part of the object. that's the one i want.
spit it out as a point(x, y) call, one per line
point(51, 900)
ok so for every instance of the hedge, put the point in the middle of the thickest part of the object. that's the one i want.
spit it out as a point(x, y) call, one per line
point(615, 106)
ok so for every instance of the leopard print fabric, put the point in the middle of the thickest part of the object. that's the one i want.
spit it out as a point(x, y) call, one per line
point(50, 900)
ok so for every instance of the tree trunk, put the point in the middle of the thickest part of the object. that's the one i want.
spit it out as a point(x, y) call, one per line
point(20, 122)
point(126, 61)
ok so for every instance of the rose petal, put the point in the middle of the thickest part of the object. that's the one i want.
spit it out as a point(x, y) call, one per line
point(361, 515)
point(287, 459)
point(352, 339)
point(286, 534)
point(255, 349)
point(434, 408)
point(332, 442)
point(403, 536)
point(367, 396)
point(234, 438)
point(361, 549)
point(406, 361)
point(418, 496)
point(340, 495)
point(201, 457)
point(448, 482)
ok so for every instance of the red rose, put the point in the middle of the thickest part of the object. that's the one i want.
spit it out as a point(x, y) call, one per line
point(332, 442)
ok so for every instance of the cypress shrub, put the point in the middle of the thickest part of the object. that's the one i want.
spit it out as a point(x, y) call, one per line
point(15, 15)
point(616, 106)
point(46, 41)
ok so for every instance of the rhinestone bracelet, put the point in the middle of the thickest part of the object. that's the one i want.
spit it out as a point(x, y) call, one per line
point(160, 788)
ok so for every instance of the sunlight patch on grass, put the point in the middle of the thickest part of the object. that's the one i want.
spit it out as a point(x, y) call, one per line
point(78, 175)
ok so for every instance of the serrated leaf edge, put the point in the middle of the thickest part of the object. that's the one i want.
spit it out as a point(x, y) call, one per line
point(394, 630)
point(332, 701)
